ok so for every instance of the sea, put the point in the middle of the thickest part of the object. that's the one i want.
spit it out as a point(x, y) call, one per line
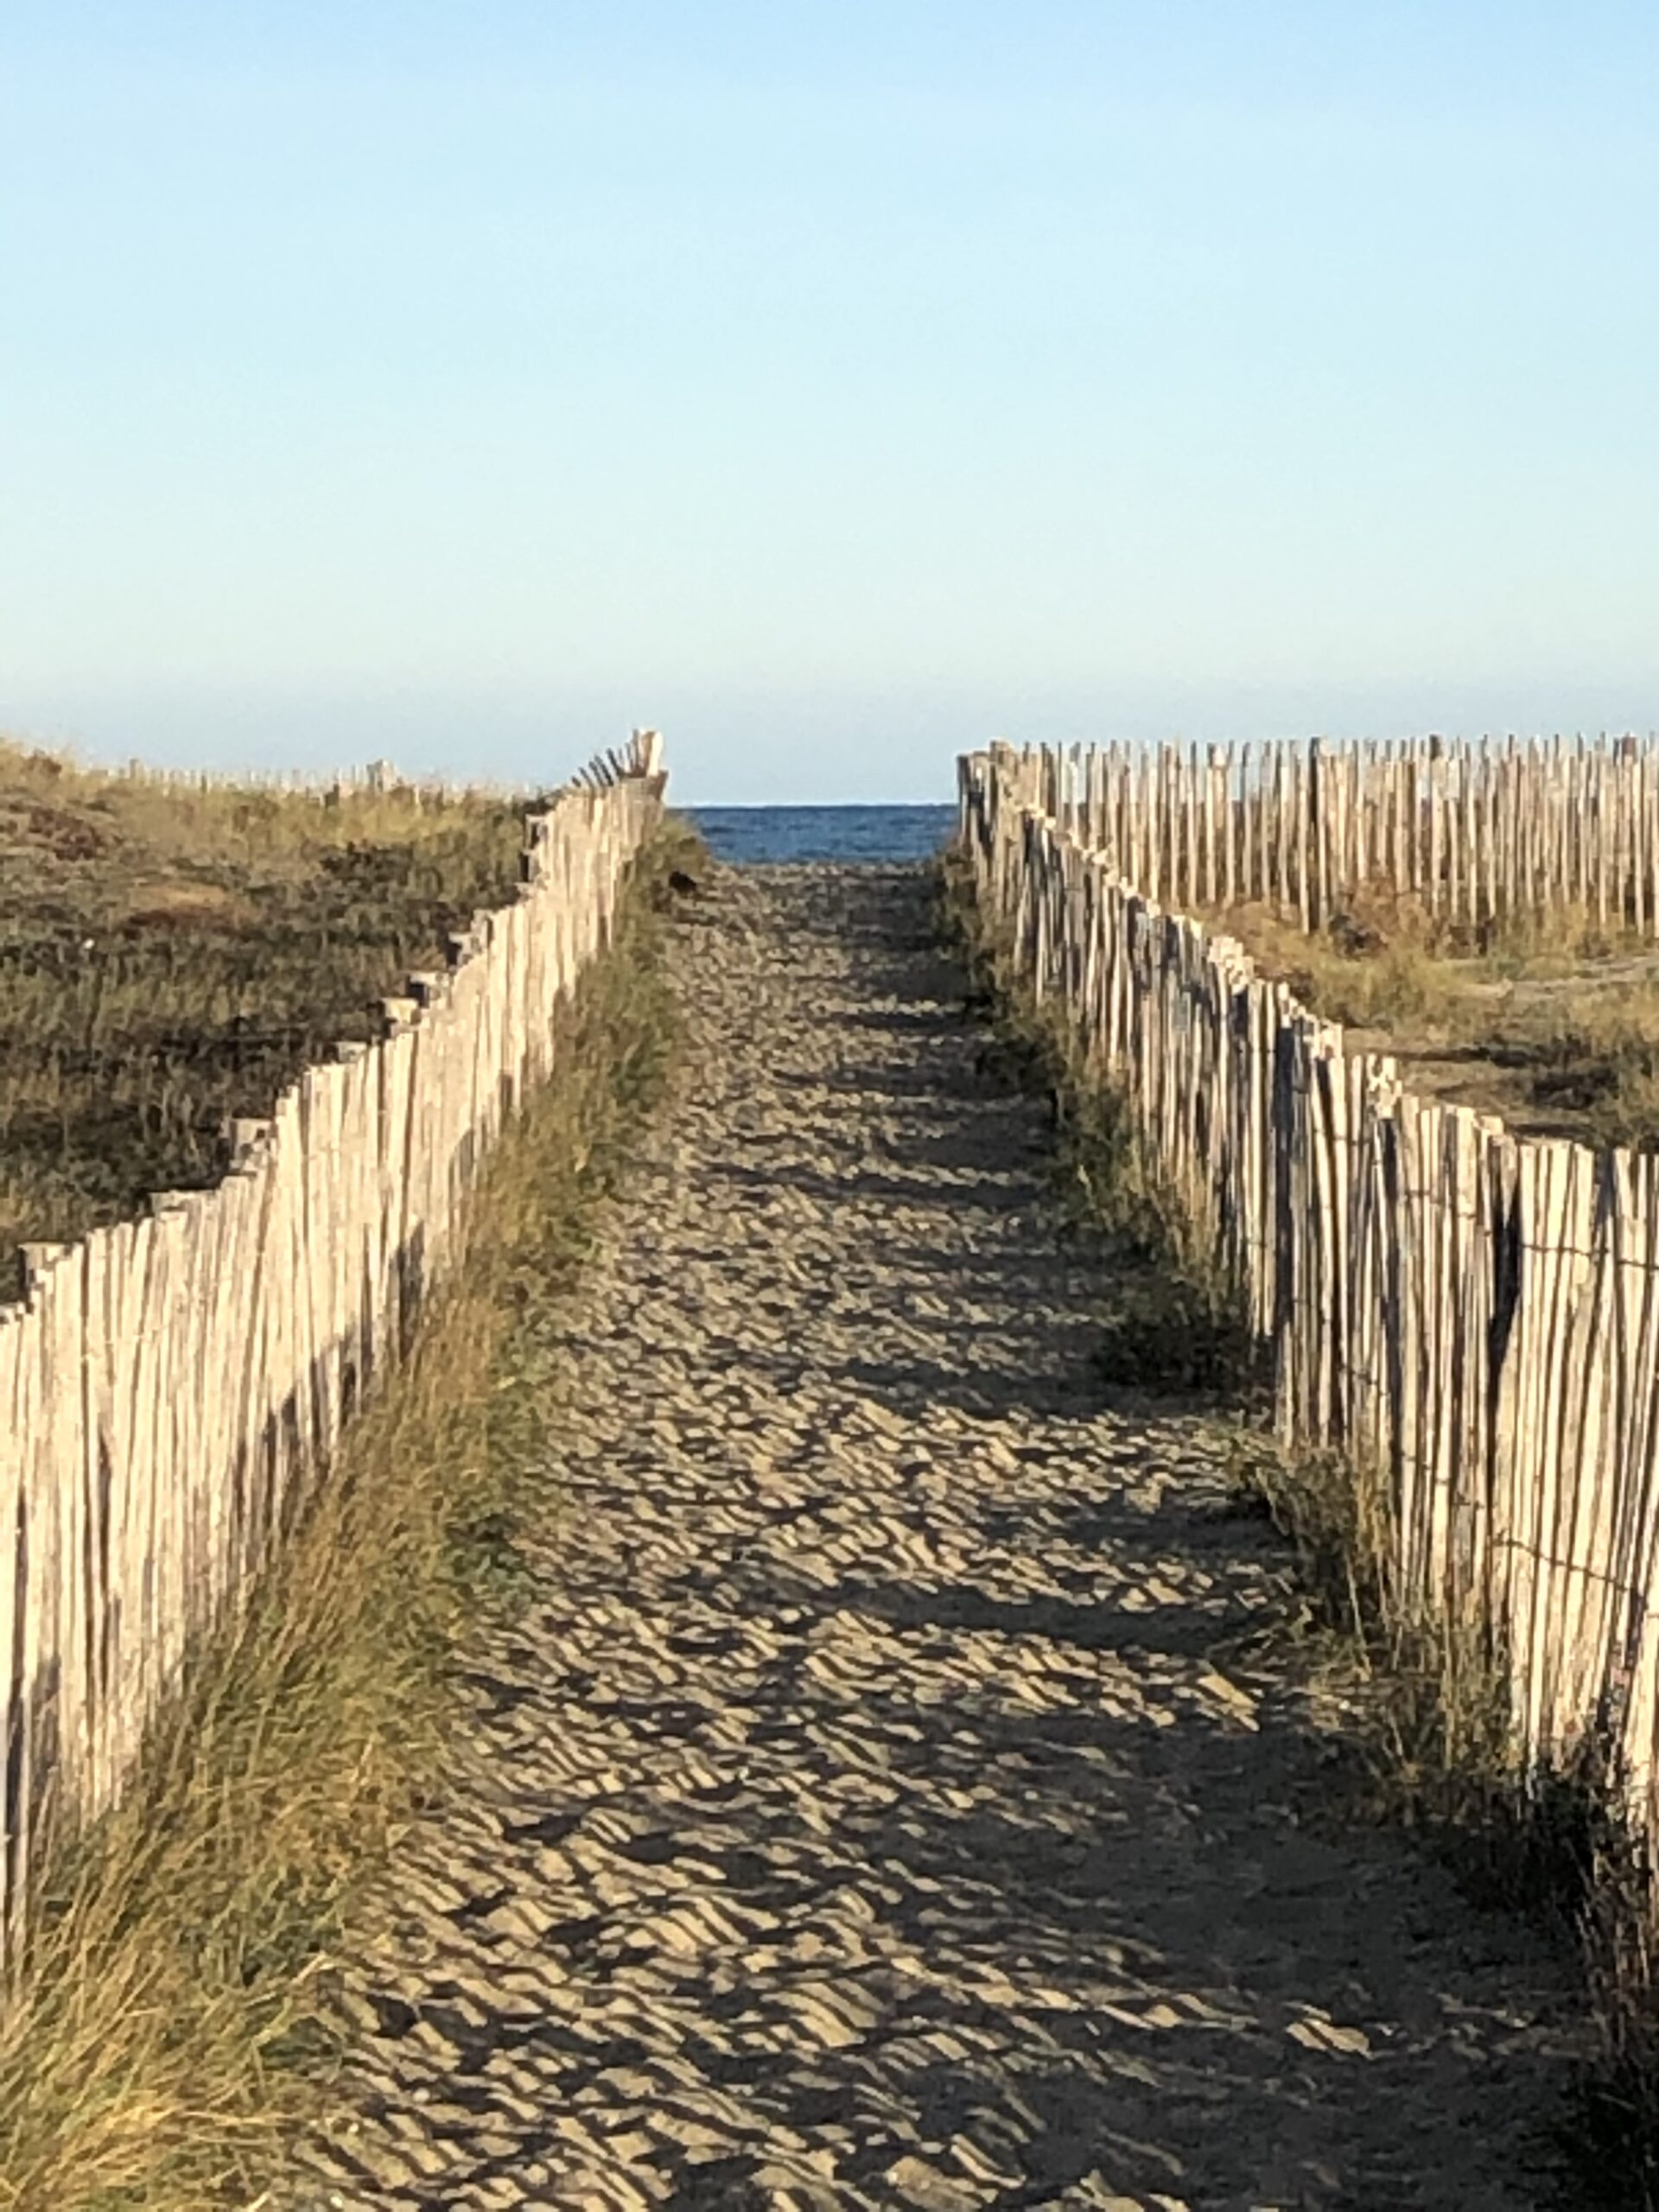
point(768, 834)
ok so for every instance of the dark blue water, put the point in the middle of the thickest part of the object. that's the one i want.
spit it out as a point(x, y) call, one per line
point(823, 833)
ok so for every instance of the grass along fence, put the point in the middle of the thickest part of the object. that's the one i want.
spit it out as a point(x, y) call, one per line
point(1476, 831)
point(1474, 1316)
point(175, 1385)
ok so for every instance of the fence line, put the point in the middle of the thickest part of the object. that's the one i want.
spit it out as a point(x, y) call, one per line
point(175, 1386)
point(1477, 830)
point(1477, 1315)
point(321, 786)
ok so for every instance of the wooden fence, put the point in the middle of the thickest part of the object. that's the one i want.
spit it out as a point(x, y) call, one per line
point(328, 787)
point(173, 1386)
point(1474, 1315)
point(1476, 831)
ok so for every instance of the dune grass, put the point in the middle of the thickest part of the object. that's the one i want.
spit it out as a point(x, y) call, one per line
point(1552, 1020)
point(171, 956)
point(175, 2021)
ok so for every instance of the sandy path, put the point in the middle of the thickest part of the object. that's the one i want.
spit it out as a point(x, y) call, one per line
point(860, 1816)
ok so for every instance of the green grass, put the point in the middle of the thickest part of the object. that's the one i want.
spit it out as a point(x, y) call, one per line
point(171, 956)
point(175, 2023)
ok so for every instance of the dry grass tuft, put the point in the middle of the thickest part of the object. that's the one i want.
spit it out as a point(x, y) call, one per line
point(175, 2023)
point(186, 905)
point(1379, 963)
point(1592, 1054)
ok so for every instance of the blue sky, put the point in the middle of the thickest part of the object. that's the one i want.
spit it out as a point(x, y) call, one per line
point(831, 385)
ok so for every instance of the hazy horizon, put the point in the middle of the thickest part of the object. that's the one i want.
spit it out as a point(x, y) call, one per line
point(831, 389)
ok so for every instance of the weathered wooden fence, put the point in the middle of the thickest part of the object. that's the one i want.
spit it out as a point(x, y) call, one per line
point(328, 787)
point(173, 1386)
point(1476, 831)
point(1474, 1315)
